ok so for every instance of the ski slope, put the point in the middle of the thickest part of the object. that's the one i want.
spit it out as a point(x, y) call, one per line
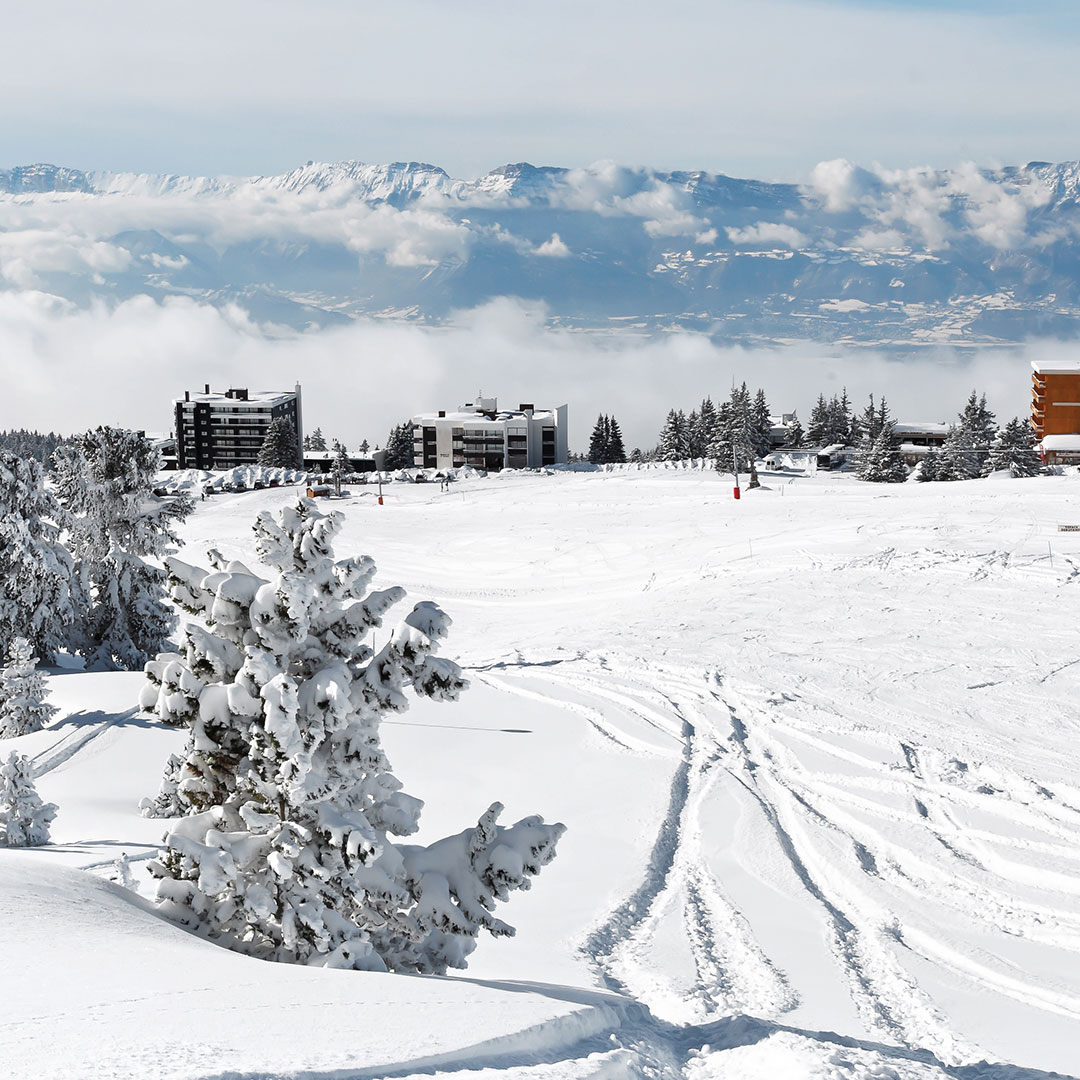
point(816, 749)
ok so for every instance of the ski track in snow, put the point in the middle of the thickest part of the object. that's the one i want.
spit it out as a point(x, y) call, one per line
point(724, 733)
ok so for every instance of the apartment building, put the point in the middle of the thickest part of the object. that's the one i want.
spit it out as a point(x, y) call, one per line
point(1055, 409)
point(223, 430)
point(482, 435)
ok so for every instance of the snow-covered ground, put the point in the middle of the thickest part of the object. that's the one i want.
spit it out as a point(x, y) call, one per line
point(817, 751)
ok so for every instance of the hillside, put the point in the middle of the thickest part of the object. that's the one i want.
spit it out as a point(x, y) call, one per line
point(816, 750)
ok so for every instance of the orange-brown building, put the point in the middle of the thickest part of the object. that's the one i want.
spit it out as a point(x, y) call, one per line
point(1055, 398)
point(1055, 408)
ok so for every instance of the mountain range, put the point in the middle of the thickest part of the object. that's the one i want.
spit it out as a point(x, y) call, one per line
point(891, 258)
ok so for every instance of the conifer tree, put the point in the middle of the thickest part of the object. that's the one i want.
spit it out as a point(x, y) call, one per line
point(819, 427)
point(598, 441)
point(399, 447)
point(22, 693)
point(288, 849)
point(616, 452)
point(24, 818)
point(114, 522)
point(315, 441)
point(35, 568)
point(1014, 450)
point(708, 420)
point(279, 449)
point(929, 466)
point(866, 426)
point(977, 422)
point(795, 436)
point(365, 446)
point(674, 438)
point(959, 459)
point(761, 421)
point(882, 463)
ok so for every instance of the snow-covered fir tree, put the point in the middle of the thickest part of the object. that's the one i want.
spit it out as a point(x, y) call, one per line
point(104, 483)
point(960, 459)
point(761, 420)
point(831, 422)
point(365, 446)
point(978, 422)
point(315, 441)
point(24, 817)
point(674, 438)
point(795, 436)
point(1014, 450)
point(290, 849)
point(882, 463)
point(22, 693)
point(30, 444)
point(399, 447)
point(279, 449)
point(35, 568)
point(928, 466)
point(739, 441)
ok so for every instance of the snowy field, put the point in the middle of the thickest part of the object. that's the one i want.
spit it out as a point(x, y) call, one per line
point(818, 755)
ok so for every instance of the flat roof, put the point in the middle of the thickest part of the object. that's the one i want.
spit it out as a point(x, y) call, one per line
point(254, 397)
point(1056, 367)
point(1061, 442)
point(929, 429)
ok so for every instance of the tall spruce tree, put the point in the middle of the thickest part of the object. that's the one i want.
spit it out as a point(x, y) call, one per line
point(615, 452)
point(114, 522)
point(674, 438)
point(399, 447)
point(315, 441)
point(289, 846)
point(598, 441)
point(35, 568)
point(279, 449)
point(761, 419)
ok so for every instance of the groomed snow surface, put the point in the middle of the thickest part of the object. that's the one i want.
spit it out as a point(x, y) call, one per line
point(818, 754)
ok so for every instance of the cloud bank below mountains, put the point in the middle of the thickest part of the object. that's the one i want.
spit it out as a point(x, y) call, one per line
point(69, 368)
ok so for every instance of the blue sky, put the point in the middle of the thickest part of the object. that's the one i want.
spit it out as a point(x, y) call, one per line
point(765, 89)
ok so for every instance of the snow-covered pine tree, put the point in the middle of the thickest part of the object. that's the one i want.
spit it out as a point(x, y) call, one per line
point(24, 818)
point(340, 465)
point(867, 426)
point(365, 446)
point(598, 441)
point(35, 568)
point(761, 420)
point(104, 483)
point(22, 693)
point(615, 453)
point(674, 438)
point(928, 465)
point(795, 436)
point(279, 449)
point(708, 420)
point(819, 427)
point(288, 851)
point(959, 460)
point(399, 447)
point(882, 463)
point(315, 441)
point(1014, 450)
point(978, 422)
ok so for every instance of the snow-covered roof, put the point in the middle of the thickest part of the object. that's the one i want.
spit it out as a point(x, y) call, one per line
point(254, 397)
point(921, 429)
point(478, 418)
point(914, 449)
point(1056, 367)
point(1061, 442)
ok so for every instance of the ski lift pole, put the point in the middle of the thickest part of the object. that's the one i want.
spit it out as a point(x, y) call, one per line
point(380, 487)
point(735, 468)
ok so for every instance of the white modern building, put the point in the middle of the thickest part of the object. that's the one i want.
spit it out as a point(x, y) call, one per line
point(482, 435)
point(223, 430)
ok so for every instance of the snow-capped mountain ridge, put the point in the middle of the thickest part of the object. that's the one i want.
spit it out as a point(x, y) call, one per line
point(896, 258)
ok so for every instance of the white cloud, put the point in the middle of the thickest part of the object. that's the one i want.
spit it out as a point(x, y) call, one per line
point(553, 248)
point(768, 232)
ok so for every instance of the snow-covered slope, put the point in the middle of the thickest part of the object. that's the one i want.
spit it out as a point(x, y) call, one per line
point(816, 750)
point(893, 258)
